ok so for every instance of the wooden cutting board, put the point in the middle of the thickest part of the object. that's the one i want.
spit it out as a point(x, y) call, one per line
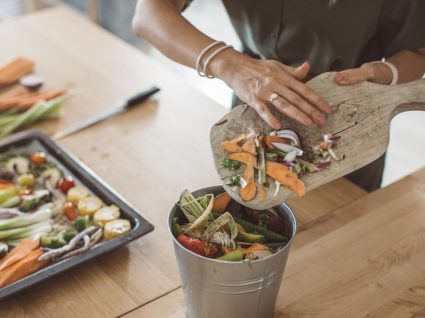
point(361, 116)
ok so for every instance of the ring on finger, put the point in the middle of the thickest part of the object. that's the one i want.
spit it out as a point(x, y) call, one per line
point(273, 96)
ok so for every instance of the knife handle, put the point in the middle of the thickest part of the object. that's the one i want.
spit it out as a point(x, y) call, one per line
point(139, 97)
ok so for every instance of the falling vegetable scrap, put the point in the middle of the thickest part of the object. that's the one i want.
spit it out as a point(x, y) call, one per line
point(278, 155)
point(210, 227)
point(45, 216)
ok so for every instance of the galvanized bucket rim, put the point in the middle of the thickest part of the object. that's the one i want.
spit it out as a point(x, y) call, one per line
point(286, 247)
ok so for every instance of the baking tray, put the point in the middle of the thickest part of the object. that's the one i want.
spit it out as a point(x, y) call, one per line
point(37, 139)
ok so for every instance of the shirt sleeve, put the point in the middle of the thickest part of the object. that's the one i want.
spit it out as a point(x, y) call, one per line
point(402, 26)
point(187, 4)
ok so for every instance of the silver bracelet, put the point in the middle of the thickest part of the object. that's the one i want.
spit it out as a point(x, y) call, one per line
point(393, 69)
point(213, 55)
point(201, 55)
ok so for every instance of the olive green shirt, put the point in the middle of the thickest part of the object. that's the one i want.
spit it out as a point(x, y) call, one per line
point(344, 35)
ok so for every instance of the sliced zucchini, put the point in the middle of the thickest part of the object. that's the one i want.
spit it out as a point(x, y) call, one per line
point(52, 175)
point(89, 205)
point(18, 165)
point(106, 214)
point(75, 194)
point(116, 228)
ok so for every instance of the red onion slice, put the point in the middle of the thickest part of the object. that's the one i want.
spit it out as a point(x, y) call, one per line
point(322, 166)
point(31, 82)
point(290, 156)
point(289, 134)
point(287, 148)
point(334, 138)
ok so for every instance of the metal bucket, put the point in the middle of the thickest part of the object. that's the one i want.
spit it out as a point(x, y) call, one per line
point(218, 289)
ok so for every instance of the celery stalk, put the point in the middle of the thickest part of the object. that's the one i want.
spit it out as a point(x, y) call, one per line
point(41, 110)
point(25, 231)
point(25, 220)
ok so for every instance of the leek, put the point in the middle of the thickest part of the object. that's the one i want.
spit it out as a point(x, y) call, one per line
point(10, 122)
point(26, 231)
point(25, 220)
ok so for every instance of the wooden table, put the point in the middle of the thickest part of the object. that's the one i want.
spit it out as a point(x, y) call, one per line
point(355, 253)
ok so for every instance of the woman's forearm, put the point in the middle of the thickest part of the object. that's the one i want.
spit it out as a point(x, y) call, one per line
point(161, 23)
point(253, 81)
point(410, 64)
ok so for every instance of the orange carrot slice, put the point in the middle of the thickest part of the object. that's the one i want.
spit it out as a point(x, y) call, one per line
point(14, 70)
point(19, 252)
point(221, 202)
point(27, 265)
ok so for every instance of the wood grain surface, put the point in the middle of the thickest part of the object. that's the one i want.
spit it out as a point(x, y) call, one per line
point(361, 116)
point(148, 155)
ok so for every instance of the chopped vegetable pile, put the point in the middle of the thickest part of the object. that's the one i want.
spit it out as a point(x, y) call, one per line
point(27, 104)
point(45, 216)
point(219, 228)
point(278, 155)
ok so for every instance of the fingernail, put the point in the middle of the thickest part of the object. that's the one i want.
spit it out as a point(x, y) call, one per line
point(307, 121)
point(339, 78)
point(328, 109)
point(320, 120)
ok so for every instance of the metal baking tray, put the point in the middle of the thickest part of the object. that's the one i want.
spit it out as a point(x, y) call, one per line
point(36, 139)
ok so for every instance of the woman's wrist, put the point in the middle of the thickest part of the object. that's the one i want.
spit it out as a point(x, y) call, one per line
point(224, 64)
point(379, 72)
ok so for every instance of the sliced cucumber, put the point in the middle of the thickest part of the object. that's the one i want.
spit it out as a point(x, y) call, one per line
point(18, 165)
point(52, 175)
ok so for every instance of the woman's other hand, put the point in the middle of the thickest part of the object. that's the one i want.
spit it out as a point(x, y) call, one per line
point(266, 83)
point(372, 72)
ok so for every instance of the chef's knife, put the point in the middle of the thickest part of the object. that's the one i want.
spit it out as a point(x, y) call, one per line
point(120, 108)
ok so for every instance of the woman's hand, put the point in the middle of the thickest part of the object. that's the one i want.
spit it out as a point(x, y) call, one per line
point(372, 72)
point(256, 81)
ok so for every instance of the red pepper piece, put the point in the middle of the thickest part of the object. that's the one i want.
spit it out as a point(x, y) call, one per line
point(197, 246)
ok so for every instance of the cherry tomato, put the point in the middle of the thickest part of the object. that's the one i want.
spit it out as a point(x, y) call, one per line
point(66, 183)
point(38, 158)
point(70, 211)
point(197, 246)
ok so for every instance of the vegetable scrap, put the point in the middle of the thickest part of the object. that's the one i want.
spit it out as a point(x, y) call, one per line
point(218, 227)
point(14, 70)
point(46, 216)
point(279, 155)
point(23, 106)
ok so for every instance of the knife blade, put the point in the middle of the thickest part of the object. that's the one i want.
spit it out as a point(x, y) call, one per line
point(120, 108)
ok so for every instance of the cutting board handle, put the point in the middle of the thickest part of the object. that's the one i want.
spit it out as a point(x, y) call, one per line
point(400, 98)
